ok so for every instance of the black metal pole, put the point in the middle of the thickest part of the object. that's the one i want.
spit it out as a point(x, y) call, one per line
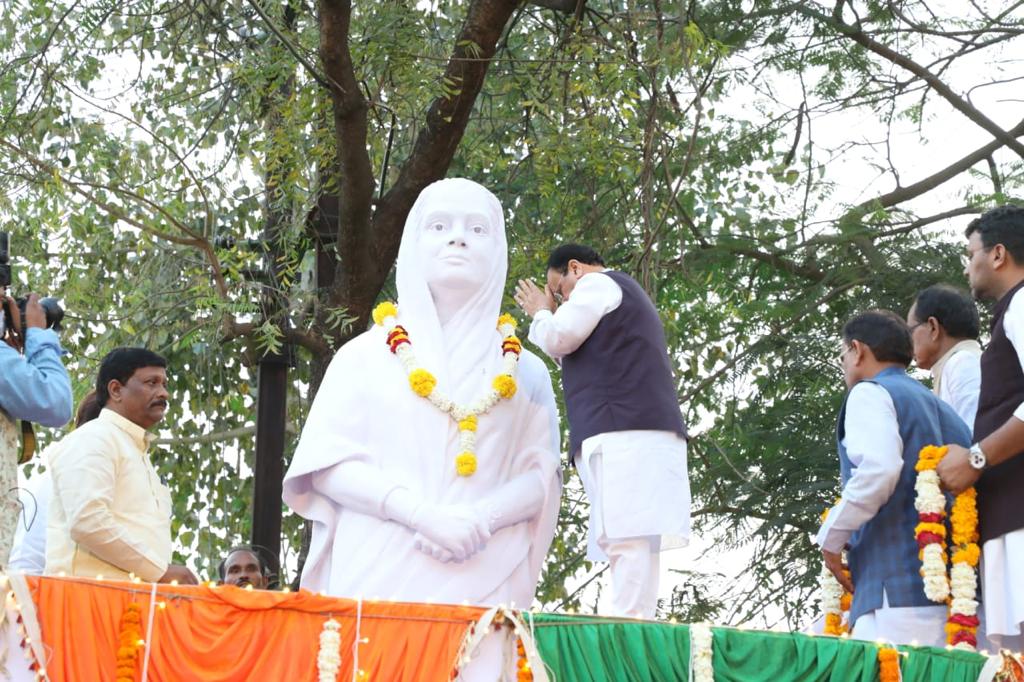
point(271, 413)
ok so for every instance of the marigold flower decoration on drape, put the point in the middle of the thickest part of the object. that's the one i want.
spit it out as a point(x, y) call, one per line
point(523, 671)
point(889, 665)
point(835, 600)
point(424, 384)
point(959, 586)
point(129, 640)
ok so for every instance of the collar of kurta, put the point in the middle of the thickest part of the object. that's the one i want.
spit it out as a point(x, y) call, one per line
point(139, 435)
point(967, 345)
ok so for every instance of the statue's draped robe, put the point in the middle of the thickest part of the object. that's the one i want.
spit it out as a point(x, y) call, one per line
point(366, 412)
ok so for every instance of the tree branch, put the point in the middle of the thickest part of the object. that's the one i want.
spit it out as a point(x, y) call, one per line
point(856, 34)
point(446, 122)
point(353, 172)
point(565, 6)
point(313, 71)
point(902, 194)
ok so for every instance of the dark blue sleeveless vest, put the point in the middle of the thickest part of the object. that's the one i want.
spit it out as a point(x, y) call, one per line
point(883, 553)
point(620, 378)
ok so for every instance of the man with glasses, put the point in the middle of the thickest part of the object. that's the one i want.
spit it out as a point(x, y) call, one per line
point(885, 421)
point(994, 464)
point(944, 328)
point(627, 436)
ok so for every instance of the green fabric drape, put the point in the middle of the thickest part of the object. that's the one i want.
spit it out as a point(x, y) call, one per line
point(592, 649)
point(609, 650)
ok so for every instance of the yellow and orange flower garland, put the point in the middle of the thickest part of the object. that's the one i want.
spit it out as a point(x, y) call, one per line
point(523, 671)
point(959, 587)
point(889, 665)
point(835, 600)
point(424, 384)
point(128, 644)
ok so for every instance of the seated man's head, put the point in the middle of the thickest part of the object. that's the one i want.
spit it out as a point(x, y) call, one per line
point(873, 341)
point(133, 383)
point(244, 566)
point(941, 317)
point(567, 264)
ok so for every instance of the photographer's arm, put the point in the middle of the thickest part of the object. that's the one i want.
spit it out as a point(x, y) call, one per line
point(35, 387)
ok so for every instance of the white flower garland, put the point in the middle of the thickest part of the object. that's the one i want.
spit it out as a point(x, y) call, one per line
point(958, 587)
point(328, 658)
point(831, 600)
point(930, 500)
point(933, 571)
point(701, 653)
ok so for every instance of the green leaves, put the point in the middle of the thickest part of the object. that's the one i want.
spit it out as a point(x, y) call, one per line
point(160, 166)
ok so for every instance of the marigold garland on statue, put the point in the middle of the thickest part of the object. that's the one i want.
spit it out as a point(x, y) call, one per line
point(128, 643)
point(959, 586)
point(424, 384)
point(328, 658)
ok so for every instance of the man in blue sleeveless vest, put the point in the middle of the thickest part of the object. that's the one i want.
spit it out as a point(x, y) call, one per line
point(994, 464)
point(886, 419)
point(627, 435)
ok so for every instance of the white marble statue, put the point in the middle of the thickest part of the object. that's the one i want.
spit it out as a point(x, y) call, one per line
point(375, 469)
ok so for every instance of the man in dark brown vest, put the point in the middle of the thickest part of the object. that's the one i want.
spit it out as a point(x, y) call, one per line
point(627, 435)
point(995, 463)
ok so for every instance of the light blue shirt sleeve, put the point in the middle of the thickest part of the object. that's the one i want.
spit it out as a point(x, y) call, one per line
point(35, 386)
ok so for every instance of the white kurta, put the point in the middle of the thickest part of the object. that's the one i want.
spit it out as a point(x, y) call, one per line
point(1002, 558)
point(29, 552)
point(627, 500)
point(875, 449)
point(957, 379)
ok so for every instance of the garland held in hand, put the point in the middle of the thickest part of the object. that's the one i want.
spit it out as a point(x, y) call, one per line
point(959, 586)
point(835, 600)
point(424, 384)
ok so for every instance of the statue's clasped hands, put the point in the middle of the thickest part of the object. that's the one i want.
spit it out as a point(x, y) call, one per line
point(451, 532)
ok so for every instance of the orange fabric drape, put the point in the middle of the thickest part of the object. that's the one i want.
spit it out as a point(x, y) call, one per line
point(225, 633)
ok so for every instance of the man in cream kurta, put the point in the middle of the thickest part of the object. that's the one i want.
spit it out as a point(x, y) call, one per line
point(110, 514)
point(944, 327)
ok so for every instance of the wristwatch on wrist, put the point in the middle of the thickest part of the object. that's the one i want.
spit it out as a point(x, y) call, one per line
point(977, 457)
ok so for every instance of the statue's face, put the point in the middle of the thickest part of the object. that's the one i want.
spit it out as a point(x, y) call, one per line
point(457, 245)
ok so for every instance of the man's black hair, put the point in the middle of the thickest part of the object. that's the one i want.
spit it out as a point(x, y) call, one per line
point(264, 565)
point(560, 257)
point(884, 332)
point(121, 364)
point(1001, 225)
point(954, 309)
